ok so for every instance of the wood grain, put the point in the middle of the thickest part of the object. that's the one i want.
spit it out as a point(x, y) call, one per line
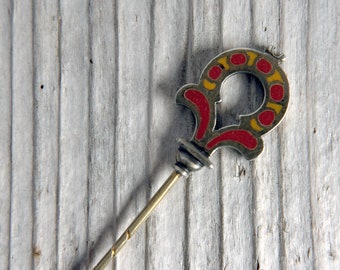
point(73, 176)
point(22, 138)
point(168, 39)
point(6, 131)
point(89, 123)
point(133, 116)
point(46, 134)
point(102, 115)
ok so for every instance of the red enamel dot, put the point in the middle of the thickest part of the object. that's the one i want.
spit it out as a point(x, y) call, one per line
point(215, 72)
point(238, 59)
point(266, 118)
point(264, 66)
point(276, 92)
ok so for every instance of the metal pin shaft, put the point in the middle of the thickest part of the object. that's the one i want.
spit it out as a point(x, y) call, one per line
point(139, 220)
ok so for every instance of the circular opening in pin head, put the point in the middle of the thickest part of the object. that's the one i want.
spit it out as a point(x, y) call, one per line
point(241, 94)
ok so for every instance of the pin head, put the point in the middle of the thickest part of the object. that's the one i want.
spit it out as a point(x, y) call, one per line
point(202, 98)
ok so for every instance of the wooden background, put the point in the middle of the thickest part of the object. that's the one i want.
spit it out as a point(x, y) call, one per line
point(89, 122)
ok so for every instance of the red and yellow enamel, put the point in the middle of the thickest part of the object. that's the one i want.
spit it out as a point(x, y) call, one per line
point(203, 98)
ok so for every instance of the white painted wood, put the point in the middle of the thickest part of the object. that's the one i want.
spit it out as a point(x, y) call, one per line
point(73, 132)
point(237, 174)
point(5, 130)
point(297, 242)
point(81, 156)
point(203, 244)
point(168, 38)
point(46, 132)
point(267, 179)
point(132, 126)
point(324, 131)
point(22, 137)
point(102, 99)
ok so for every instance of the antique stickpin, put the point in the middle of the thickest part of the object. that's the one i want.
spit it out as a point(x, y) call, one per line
point(201, 99)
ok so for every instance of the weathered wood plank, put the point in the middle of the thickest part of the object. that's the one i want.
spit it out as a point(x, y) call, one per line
point(81, 156)
point(238, 242)
point(324, 130)
point(46, 117)
point(203, 188)
point(169, 41)
point(22, 137)
point(267, 197)
point(296, 230)
point(73, 141)
point(102, 129)
point(5, 130)
point(132, 161)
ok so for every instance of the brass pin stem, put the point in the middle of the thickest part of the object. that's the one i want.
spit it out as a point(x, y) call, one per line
point(139, 220)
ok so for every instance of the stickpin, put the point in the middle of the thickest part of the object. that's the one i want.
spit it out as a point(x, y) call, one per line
point(201, 99)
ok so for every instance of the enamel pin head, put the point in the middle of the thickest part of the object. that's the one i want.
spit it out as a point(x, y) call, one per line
point(201, 99)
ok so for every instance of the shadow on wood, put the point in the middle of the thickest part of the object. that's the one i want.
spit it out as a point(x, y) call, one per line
point(180, 126)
